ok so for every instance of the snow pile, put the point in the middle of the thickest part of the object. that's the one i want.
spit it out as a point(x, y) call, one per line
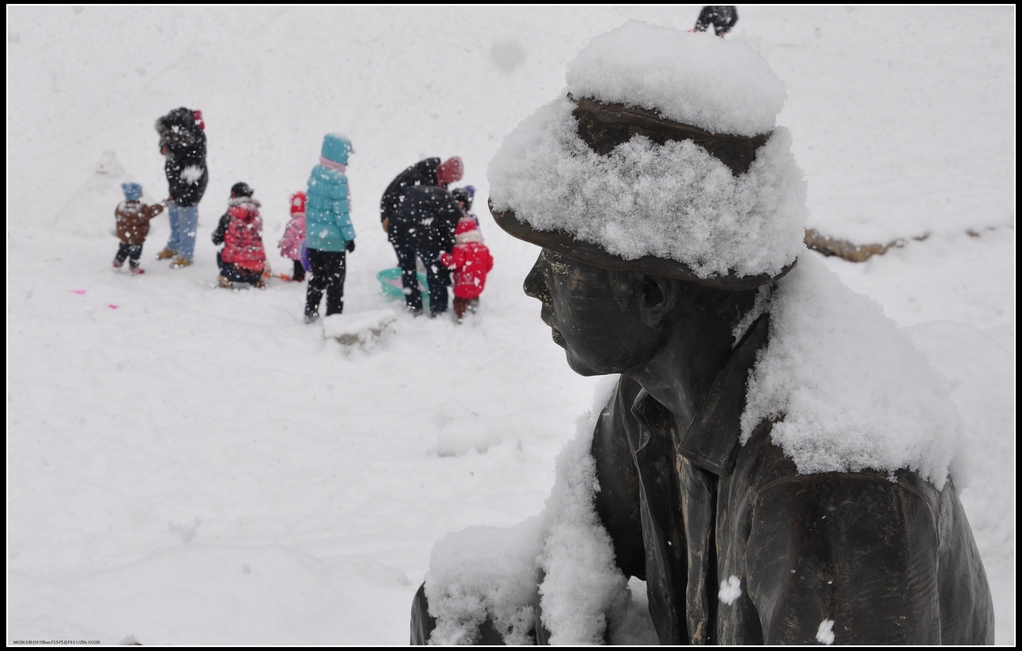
point(718, 85)
point(103, 189)
point(674, 201)
point(582, 586)
point(362, 330)
point(484, 572)
point(853, 391)
point(495, 573)
point(464, 432)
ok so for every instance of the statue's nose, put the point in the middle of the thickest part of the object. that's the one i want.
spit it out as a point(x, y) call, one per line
point(535, 283)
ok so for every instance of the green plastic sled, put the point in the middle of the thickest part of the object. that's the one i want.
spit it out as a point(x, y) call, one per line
point(390, 281)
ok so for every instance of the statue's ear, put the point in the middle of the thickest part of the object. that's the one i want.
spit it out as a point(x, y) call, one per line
point(658, 296)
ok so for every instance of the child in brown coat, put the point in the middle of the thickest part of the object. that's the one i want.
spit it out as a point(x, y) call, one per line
point(132, 226)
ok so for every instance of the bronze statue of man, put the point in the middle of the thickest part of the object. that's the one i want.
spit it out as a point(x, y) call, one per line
point(736, 542)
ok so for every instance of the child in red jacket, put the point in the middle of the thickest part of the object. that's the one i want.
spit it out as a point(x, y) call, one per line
point(470, 261)
point(243, 258)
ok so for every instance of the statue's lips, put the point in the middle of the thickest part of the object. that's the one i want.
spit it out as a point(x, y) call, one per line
point(557, 336)
point(546, 316)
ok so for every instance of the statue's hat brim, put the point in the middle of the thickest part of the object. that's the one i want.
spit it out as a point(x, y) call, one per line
point(567, 245)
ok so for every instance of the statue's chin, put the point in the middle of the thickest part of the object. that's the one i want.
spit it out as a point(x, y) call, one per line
point(580, 367)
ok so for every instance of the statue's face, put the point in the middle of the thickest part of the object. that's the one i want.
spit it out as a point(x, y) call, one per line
point(593, 313)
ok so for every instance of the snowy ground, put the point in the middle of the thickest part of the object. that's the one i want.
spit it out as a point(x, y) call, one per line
point(188, 465)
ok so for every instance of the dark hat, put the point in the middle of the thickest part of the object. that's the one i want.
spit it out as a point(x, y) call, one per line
point(463, 195)
point(241, 189)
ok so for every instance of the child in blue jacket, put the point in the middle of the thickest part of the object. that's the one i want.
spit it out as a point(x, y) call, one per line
point(328, 230)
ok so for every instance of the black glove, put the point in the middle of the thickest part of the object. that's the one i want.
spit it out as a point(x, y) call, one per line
point(350, 246)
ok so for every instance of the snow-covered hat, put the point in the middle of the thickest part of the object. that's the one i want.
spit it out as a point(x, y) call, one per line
point(298, 200)
point(662, 156)
point(132, 191)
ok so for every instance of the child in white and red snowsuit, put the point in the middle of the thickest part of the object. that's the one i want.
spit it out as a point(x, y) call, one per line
point(243, 258)
point(294, 234)
point(470, 260)
point(133, 218)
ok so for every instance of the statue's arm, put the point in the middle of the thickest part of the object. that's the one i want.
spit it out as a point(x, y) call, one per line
point(844, 559)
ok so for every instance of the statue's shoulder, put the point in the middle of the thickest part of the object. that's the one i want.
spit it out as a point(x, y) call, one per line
point(762, 467)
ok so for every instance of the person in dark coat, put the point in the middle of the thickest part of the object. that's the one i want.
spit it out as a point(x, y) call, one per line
point(757, 499)
point(723, 18)
point(429, 171)
point(183, 145)
point(422, 225)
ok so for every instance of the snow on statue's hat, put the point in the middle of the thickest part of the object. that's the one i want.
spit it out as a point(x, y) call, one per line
point(662, 157)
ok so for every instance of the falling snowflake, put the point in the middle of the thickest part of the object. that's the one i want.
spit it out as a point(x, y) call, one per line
point(730, 590)
point(825, 634)
point(192, 173)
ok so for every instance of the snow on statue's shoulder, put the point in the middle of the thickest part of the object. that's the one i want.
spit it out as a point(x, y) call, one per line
point(849, 389)
point(708, 82)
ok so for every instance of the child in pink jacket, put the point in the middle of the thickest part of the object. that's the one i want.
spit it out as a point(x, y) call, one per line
point(294, 234)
